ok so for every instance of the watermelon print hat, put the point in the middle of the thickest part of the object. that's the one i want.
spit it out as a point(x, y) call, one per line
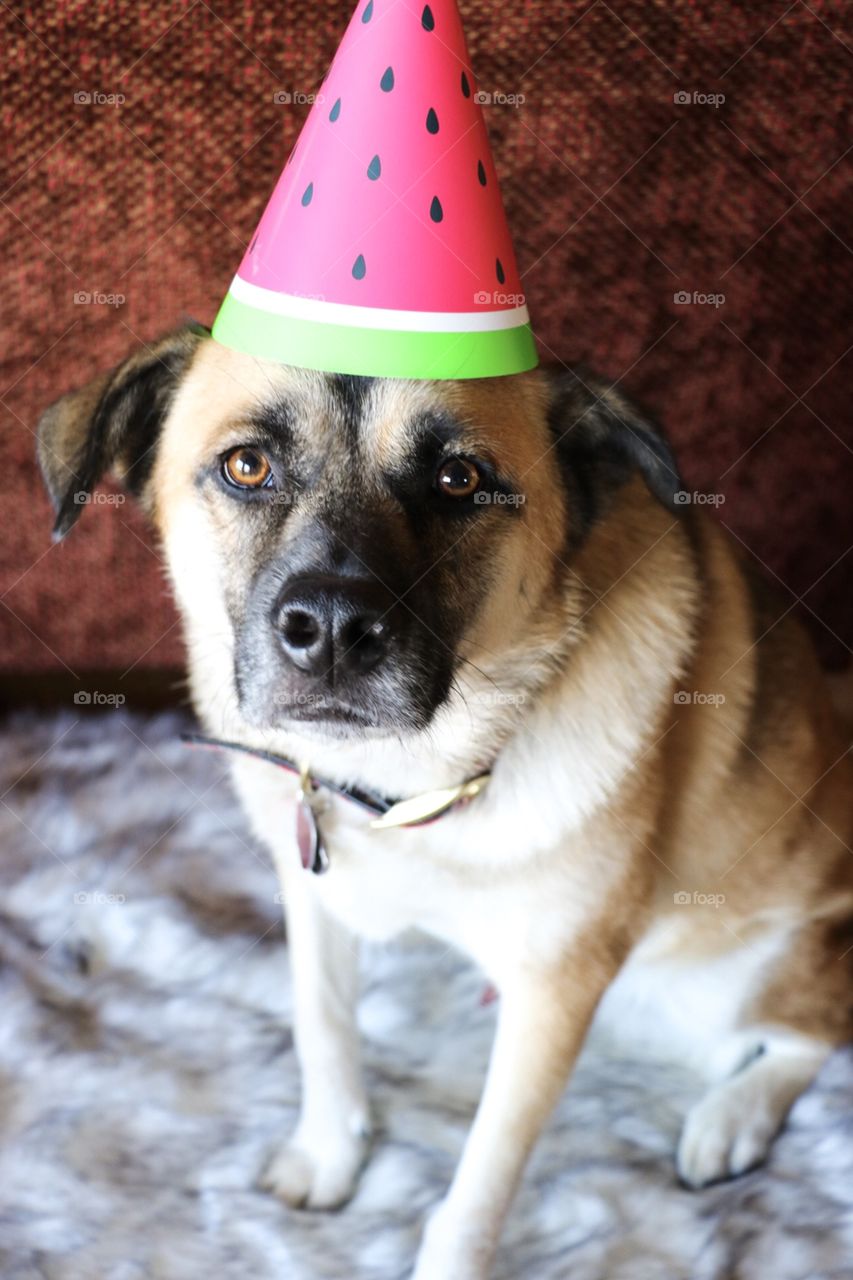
point(384, 250)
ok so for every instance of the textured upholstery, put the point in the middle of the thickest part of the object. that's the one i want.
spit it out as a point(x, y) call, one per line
point(619, 197)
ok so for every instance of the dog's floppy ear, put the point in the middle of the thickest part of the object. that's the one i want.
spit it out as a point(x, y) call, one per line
point(112, 424)
point(602, 439)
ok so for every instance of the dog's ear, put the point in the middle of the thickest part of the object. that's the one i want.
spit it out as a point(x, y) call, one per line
point(112, 424)
point(602, 439)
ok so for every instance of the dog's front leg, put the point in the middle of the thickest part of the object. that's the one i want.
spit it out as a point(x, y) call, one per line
point(319, 1167)
point(542, 1021)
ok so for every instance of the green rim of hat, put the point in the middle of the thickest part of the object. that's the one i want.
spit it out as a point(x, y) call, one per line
point(386, 351)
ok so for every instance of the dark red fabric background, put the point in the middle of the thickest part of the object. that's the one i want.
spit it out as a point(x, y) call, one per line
point(618, 195)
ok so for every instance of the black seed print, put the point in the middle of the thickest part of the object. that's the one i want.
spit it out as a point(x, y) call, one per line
point(374, 169)
point(386, 84)
point(499, 269)
point(359, 267)
point(466, 87)
point(335, 111)
point(368, 11)
point(308, 195)
point(481, 173)
point(432, 121)
point(435, 210)
point(427, 19)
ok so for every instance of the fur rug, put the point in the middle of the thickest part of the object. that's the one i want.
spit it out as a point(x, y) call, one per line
point(147, 1069)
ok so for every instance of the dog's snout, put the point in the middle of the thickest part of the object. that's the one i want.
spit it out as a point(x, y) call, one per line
point(331, 625)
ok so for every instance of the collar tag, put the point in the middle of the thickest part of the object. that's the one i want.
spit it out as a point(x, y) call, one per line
point(413, 812)
point(431, 804)
point(312, 850)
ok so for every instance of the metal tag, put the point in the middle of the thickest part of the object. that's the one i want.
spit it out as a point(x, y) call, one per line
point(309, 839)
point(429, 805)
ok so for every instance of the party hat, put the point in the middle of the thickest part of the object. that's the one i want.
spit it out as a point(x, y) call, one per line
point(384, 249)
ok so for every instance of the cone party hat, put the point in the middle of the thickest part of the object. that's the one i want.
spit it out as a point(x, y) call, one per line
point(384, 249)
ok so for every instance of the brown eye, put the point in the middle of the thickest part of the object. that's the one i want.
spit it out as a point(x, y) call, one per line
point(246, 468)
point(457, 478)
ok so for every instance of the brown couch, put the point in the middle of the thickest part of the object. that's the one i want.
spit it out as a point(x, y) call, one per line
point(620, 195)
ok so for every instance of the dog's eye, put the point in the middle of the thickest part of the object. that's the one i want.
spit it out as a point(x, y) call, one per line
point(457, 478)
point(246, 468)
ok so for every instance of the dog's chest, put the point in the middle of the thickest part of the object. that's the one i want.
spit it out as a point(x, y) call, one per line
point(463, 879)
point(446, 880)
point(381, 883)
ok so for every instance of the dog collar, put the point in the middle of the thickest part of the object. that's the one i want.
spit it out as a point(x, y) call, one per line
point(416, 811)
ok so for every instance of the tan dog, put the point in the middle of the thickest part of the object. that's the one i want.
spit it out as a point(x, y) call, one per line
point(406, 585)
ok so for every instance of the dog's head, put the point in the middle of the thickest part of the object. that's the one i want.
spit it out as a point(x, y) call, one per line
point(349, 545)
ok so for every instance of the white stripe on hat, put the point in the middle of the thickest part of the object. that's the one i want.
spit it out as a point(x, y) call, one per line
point(288, 304)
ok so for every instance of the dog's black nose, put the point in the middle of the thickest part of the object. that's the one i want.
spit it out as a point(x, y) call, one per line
point(331, 625)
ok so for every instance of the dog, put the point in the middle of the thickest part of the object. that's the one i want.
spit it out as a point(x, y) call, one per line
point(488, 599)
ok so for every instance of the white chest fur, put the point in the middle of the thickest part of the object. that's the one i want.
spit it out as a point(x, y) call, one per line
point(465, 878)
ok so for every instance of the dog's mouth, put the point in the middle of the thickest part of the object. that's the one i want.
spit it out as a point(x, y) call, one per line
point(325, 714)
point(339, 715)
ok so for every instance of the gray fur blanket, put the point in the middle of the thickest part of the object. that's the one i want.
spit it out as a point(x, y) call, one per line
point(147, 1069)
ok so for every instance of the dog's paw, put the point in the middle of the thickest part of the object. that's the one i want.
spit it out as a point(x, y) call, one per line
point(306, 1179)
point(724, 1135)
